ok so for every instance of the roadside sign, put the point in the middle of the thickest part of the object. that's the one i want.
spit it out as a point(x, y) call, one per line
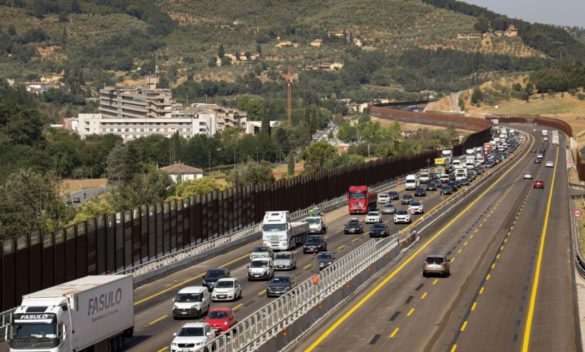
point(577, 213)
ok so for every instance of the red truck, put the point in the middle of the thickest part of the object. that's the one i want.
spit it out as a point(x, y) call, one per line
point(360, 201)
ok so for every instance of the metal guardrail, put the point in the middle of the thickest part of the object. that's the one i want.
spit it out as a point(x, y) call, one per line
point(579, 261)
point(274, 318)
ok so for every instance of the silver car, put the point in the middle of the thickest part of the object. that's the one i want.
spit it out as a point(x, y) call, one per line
point(389, 209)
point(285, 261)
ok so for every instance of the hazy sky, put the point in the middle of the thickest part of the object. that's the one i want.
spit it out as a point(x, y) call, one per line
point(559, 12)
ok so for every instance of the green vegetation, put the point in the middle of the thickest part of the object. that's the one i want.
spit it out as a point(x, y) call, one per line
point(560, 78)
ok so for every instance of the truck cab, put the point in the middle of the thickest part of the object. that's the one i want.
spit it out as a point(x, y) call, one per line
point(411, 182)
point(316, 224)
point(280, 233)
point(46, 327)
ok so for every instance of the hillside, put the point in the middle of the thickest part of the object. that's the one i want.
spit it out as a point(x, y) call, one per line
point(99, 43)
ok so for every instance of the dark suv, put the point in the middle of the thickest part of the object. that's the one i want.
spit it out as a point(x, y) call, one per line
point(315, 243)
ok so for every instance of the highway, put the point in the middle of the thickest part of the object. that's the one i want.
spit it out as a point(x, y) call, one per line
point(511, 286)
point(472, 239)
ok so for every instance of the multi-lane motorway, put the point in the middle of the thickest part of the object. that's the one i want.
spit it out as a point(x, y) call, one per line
point(511, 284)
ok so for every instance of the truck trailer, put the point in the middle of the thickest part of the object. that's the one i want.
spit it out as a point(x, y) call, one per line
point(94, 313)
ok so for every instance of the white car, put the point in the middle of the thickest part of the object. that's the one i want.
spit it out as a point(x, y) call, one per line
point(549, 164)
point(540, 155)
point(402, 217)
point(192, 301)
point(261, 269)
point(416, 208)
point(373, 217)
point(383, 198)
point(545, 139)
point(192, 337)
point(227, 289)
point(261, 252)
point(527, 175)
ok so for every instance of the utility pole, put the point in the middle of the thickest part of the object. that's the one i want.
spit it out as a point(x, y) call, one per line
point(288, 77)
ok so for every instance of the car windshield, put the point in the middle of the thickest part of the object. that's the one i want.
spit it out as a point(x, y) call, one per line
point(215, 273)
point(274, 227)
point(258, 264)
point(357, 195)
point(313, 221)
point(217, 314)
point(324, 256)
point(389, 206)
point(191, 331)
point(261, 250)
point(392, 193)
point(188, 297)
point(434, 260)
point(416, 204)
point(373, 213)
point(353, 222)
point(281, 280)
point(407, 196)
point(402, 212)
point(224, 284)
point(379, 227)
point(314, 239)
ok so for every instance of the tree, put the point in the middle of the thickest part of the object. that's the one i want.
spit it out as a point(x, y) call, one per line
point(316, 155)
point(291, 165)
point(259, 49)
point(197, 186)
point(93, 208)
point(31, 201)
point(476, 96)
point(11, 29)
point(121, 165)
point(220, 51)
point(251, 172)
point(151, 187)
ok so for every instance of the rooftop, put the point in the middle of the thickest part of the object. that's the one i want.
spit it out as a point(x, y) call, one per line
point(181, 169)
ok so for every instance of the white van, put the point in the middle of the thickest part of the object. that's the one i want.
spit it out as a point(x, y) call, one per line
point(411, 182)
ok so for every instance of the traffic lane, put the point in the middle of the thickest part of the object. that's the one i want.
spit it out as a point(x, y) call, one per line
point(157, 326)
point(336, 327)
point(555, 323)
point(377, 320)
point(501, 294)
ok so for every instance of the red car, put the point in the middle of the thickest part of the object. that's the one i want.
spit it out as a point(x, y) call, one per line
point(221, 319)
point(538, 184)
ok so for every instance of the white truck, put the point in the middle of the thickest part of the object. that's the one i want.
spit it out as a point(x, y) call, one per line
point(280, 233)
point(316, 224)
point(460, 173)
point(424, 176)
point(555, 137)
point(469, 151)
point(93, 313)
point(544, 133)
point(447, 154)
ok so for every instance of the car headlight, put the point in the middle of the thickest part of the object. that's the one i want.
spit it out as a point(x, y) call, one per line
point(195, 306)
point(174, 344)
point(225, 322)
point(321, 264)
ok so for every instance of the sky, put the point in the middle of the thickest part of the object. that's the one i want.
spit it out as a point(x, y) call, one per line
point(559, 12)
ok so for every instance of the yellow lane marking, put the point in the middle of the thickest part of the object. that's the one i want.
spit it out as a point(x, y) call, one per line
point(237, 307)
point(459, 251)
point(394, 332)
point(340, 247)
point(487, 278)
point(415, 254)
point(464, 326)
point(435, 281)
point(493, 266)
point(410, 312)
point(502, 247)
point(307, 266)
point(465, 243)
point(536, 281)
point(498, 256)
point(262, 292)
point(163, 349)
point(481, 290)
point(452, 259)
point(424, 295)
point(454, 348)
point(355, 240)
point(182, 283)
point(473, 306)
point(157, 320)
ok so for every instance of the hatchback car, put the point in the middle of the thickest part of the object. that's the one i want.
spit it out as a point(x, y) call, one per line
point(388, 209)
point(373, 217)
point(393, 195)
point(402, 217)
point(527, 175)
point(416, 208)
point(407, 199)
point(221, 319)
point(285, 261)
point(549, 164)
point(538, 184)
point(379, 230)
point(227, 290)
point(325, 259)
point(420, 192)
point(213, 275)
point(436, 264)
point(446, 189)
point(383, 198)
point(192, 337)
point(432, 186)
point(279, 285)
point(354, 226)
